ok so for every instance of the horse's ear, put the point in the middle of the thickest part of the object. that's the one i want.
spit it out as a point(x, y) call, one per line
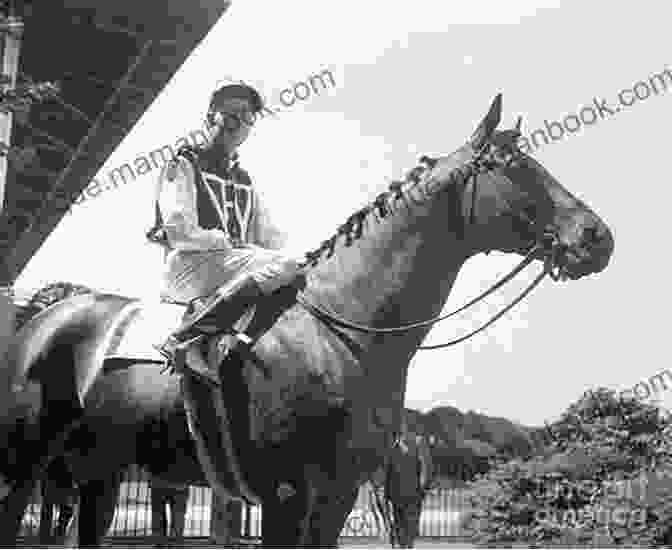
point(519, 124)
point(488, 124)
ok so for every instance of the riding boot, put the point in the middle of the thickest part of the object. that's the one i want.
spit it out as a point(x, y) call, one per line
point(221, 310)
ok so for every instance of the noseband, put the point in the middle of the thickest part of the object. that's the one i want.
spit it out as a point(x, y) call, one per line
point(546, 244)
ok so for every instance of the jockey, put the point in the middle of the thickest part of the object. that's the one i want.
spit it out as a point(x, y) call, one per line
point(220, 243)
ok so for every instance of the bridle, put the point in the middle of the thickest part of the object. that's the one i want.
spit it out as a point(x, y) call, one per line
point(545, 243)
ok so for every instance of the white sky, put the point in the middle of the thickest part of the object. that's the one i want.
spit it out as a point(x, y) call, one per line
point(414, 78)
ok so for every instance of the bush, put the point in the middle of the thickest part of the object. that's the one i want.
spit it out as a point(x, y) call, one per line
point(605, 479)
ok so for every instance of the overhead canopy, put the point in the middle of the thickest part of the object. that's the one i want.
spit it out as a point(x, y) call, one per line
point(111, 59)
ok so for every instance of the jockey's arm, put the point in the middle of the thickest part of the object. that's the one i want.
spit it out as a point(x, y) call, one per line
point(263, 232)
point(177, 202)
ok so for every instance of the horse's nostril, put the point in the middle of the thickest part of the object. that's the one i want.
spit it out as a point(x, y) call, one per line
point(591, 235)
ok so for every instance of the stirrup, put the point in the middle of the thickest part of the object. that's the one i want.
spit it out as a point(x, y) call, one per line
point(188, 358)
point(243, 339)
point(173, 346)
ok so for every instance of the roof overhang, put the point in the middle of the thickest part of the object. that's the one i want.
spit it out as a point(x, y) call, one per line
point(112, 60)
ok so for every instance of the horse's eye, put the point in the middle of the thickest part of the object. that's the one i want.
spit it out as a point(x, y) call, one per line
point(530, 211)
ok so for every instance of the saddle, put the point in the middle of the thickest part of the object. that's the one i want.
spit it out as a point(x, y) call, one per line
point(144, 331)
point(234, 317)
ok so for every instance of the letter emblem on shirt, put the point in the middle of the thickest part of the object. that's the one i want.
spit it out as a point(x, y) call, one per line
point(236, 203)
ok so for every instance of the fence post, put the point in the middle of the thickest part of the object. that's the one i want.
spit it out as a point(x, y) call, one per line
point(219, 526)
point(226, 520)
point(234, 511)
point(11, 31)
point(7, 316)
point(248, 521)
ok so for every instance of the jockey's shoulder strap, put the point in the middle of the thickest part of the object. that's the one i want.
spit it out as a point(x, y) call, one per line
point(157, 233)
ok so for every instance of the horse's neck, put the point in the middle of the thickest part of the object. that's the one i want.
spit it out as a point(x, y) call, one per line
point(401, 270)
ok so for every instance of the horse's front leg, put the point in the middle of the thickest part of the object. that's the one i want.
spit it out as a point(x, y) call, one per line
point(287, 512)
point(98, 500)
point(12, 509)
point(329, 515)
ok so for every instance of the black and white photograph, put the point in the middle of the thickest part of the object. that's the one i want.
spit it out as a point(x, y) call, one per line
point(334, 274)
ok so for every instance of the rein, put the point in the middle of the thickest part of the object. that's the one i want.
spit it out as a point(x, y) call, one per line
point(332, 318)
point(478, 164)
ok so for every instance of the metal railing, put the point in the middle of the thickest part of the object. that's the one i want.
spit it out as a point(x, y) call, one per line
point(439, 518)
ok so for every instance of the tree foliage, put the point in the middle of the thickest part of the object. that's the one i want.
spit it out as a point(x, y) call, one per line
point(605, 478)
point(18, 98)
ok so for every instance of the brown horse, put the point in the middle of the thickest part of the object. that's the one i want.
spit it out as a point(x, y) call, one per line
point(305, 418)
point(59, 494)
point(408, 475)
point(420, 463)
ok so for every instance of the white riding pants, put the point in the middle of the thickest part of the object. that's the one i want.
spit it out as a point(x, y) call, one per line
point(191, 274)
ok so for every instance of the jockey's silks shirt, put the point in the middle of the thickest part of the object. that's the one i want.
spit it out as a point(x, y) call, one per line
point(212, 207)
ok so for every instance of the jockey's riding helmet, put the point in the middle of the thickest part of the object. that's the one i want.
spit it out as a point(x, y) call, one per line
point(236, 90)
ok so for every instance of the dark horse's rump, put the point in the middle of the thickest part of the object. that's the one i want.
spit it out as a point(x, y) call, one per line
point(104, 417)
point(114, 414)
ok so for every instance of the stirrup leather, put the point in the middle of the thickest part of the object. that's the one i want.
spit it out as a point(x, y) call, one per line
point(194, 361)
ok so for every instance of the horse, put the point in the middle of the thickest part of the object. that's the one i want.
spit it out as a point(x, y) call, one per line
point(418, 464)
point(302, 417)
point(59, 493)
point(408, 475)
point(168, 434)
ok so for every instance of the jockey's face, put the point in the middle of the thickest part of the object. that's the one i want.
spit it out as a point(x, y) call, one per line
point(233, 120)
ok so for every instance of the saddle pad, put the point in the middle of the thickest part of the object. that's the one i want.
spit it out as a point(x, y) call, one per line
point(147, 324)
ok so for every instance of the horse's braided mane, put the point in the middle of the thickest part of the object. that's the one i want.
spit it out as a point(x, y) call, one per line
point(485, 159)
point(352, 227)
point(45, 297)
